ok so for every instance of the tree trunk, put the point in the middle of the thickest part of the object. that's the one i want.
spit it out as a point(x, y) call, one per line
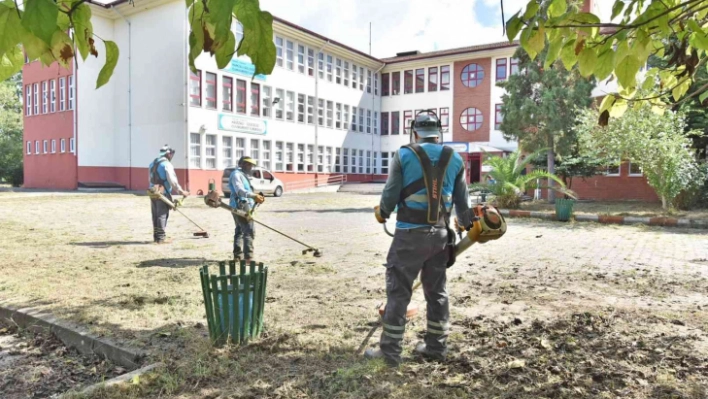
point(551, 169)
point(663, 202)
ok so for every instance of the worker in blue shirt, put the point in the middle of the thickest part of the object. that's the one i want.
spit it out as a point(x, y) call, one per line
point(243, 198)
point(164, 179)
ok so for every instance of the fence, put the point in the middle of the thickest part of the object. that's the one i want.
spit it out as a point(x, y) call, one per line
point(322, 181)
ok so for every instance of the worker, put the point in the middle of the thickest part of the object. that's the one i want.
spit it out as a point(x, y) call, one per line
point(425, 180)
point(243, 198)
point(163, 180)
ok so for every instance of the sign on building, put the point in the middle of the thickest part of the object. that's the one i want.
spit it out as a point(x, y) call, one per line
point(241, 124)
point(240, 67)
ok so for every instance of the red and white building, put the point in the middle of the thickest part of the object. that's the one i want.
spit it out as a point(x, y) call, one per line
point(326, 109)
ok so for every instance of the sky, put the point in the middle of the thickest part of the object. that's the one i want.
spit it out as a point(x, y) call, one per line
point(403, 25)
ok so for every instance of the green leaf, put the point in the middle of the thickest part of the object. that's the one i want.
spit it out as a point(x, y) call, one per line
point(649, 82)
point(111, 60)
point(63, 21)
point(189, 3)
point(568, 54)
point(618, 108)
point(699, 40)
point(557, 8)
point(605, 64)
point(694, 26)
point(196, 36)
point(681, 89)
point(257, 41)
point(513, 26)
point(226, 52)
point(617, 8)
point(62, 48)
point(536, 42)
point(40, 18)
point(33, 46)
point(587, 61)
point(531, 10)
point(83, 29)
point(622, 51)
point(626, 71)
point(11, 63)
point(702, 97)
point(10, 28)
point(607, 103)
point(220, 17)
point(554, 49)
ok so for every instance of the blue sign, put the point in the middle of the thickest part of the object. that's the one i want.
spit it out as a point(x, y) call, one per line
point(240, 67)
point(237, 123)
point(459, 147)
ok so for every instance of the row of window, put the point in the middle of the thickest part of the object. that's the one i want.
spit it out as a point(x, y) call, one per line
point(45, 146)
point(614, 170)
point(336, 70)
point(49, 101)
point(471, 119)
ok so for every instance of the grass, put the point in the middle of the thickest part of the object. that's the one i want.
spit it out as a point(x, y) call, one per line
point(620, 208)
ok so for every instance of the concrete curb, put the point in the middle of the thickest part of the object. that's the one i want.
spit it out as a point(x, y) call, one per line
point(606, 219)
point(82, 341)
point(113, 381)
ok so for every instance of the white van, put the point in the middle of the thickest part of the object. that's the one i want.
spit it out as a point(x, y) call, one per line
point(261, 180)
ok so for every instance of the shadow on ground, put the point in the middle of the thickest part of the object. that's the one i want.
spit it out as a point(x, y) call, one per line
point(176, 263)
point(107, 244)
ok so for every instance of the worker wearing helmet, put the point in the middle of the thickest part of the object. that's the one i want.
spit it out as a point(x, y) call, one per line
point(425, 180)
point(243, 198)
point(163, 180)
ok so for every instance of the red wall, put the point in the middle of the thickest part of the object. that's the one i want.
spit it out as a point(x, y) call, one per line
point(51, 170)
point(471, 97)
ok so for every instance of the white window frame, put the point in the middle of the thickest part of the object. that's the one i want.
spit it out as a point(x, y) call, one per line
point(62, 94)
point(329, 160)
point(62, 146)
point(310, 110)
point(267, 102)
point(368, 121)
point(354, 116)
point(35, 98)
point(266, 149)
point(338, 116)
point(330, 113)
point(72, 145)
point(254, 151)
point(195, 160)
point(376, 84)
point(361, 162)
point(368, 81)
point(355, 75)
point(289, 55)
point(239, 148)
point(330, 67)
point(71, 92)
point(280, 106)
point(53, 96)
point(45, 98)
point(320, 158)
point(227, 151)
point(300, 158)
point(321, 65)
point(210, 151)
point(301, 54)
point(290, 106)
point(345, 160)
point(310, 62)
point(28, 101)
point(290, 157)
point(279, 52)
point(629, 170)
point(362, 78)
point(619, 170)
point(36, 147)
point(338, 160)
point(279, 161)
point(29, 147)
point(345, 120)
point(361, 120)
point(54, 146)
point(338, 71)
point(346, 74)
point(376, 122)
point(384, 157)
point(45, 147)
point(301, 107)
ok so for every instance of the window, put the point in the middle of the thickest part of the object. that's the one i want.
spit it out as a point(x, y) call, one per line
point(376, 122)
point(266, 155)
point(384, 123)
point(345, 164)
point(361, 78)
point(514, 66)
point(310, 62)
point(35, 99)
point(54, 146)
point(29, 148)
point(36, 147)
point(227, 152)
point(338, 160)
point(407, 118)
point(368, 162)
point(279, 51)
point(279, 156)
point(45, 146)
point(289, 149)
point(267, 102)
point(280, 106)
point(301, 58)
point(256, 150)
point(338, 71)
point(354, 75)
point(346, 73)
point(301, 157)
point(266, 175)
point(338, 117)
point(395, 122)
point(210, 151)
point(28, 101)
point(211, 90)
point(445, 117)
point(498, 117)
point(310, 110)
point(330, 113)
point(634, 170)
point(345, 120)
point(255, 99)
point(328, 163)
point(396, 84)
point(376, 84)
point(384, 163)
point(329, 68)
point(45, 98)
point(72, 145)
point(301, 108)
point(320, 111)
point(501, 69)
point(227, 92)
point(361, 161)
point(26, 59)
point(320, 65)
point(290, 55)
point(472, 75)
point(53, 98)
point(320, 158)
point(361, 120)
point(195, 89)
point(420, 80)
point(290, 106)
point(354, 119)
point(471, 119)
point(368, 81)
point(385, 81)
point(353, 159)
point(240, 96)
point(62, 94)
point(62, 146)
point(239, 148)
point(71, 93)
point(368, 121)
point(408, 82)
point(195, 150)
point(374, 162)
point(613, 169)
point(433, 79)
point(444, 78)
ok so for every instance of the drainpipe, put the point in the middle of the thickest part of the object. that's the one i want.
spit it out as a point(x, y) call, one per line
point(130, 99)
point(75, 72)
point(316, 105)
point(185, 95)
point(373, 105)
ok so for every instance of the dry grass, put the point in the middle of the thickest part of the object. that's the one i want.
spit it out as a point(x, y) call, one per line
point(532, 316)
point(620, 208)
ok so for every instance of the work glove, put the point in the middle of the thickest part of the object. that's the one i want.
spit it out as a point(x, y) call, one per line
point(259, 199)
point(458, 227)
point(178, 203)
point(377, 213)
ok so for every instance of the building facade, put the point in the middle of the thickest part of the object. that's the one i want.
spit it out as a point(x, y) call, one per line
point(327, 109)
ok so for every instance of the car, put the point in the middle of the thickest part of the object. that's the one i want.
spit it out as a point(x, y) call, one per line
point(262, 180)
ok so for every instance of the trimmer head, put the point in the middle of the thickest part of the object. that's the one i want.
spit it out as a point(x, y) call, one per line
point(315, 252)
point(201, 234)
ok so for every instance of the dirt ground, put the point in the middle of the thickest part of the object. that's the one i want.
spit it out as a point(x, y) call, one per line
point(549, 311)
point(620, 208)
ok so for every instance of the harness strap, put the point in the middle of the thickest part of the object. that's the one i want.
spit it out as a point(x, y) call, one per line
point(154, 176)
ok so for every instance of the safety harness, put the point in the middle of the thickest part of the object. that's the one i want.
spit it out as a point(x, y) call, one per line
point(154, 176)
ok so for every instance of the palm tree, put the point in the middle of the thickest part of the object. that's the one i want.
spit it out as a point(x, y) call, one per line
point(508, 183)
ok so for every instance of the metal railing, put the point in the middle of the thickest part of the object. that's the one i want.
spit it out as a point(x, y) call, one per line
point(322, 181)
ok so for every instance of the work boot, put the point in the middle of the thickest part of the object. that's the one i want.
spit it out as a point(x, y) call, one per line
point(422, 349)
point(372, 353)
point(165, 241)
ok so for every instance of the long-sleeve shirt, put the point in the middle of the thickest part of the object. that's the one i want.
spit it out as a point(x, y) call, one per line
point(240, 189)
point(391, 195)
point(166, 172)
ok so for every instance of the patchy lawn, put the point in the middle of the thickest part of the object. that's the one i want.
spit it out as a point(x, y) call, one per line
point(551, 310)
point(619, 208)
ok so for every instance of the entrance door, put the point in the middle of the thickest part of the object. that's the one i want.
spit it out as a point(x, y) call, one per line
point(475, 168)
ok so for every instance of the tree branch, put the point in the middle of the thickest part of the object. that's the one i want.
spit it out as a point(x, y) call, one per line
point(695, 93)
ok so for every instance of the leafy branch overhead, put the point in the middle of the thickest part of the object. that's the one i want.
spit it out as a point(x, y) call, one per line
point(56, 30)
point(673, 29)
